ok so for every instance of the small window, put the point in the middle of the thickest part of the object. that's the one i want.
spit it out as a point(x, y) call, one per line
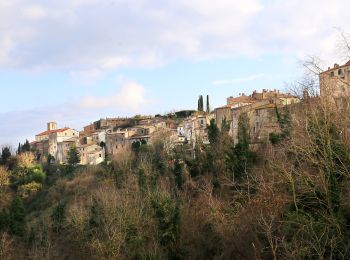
point(100, 155)
point(332, 74)
point(339, 72)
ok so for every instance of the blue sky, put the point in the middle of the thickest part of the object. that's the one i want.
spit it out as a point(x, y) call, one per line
point(74, 61)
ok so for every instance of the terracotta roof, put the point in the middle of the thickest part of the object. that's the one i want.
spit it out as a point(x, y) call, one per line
point(53, 131)
point(348, 63)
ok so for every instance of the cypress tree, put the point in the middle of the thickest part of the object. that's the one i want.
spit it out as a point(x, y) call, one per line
point(200, 103)
point(208, 106)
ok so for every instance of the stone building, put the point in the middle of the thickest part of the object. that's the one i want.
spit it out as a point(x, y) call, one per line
point(195, 128)
point(259, 106)
point(91, 154)
point(53, 141)
point(335, 82)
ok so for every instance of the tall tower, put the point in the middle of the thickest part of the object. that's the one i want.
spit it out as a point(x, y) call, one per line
point(51, 126)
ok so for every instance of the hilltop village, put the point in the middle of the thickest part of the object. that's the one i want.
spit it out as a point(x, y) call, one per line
point(107, 138)
point(265, 176)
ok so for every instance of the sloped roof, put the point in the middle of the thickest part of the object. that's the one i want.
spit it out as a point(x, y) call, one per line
point(53, 131)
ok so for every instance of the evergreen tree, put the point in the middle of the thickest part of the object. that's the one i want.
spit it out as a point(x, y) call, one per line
point(19, 150)
point(73, 156)
point(240, 158)
point(167, 213)
point(243, 129)
point(200, 104)
point(4, 220)
point(5, 155)
point(17, 217)
point(208, 106)
point(178, 173)
point(225, 127)
point(213, 132)
point(26, 147)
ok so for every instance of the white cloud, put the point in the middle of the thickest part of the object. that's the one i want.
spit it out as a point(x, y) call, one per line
point(34, 12)
point(238, 80)
point(129, 97)
point(82, 36)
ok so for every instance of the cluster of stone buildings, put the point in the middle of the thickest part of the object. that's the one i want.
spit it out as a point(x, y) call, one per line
point(54, 145)
point(109, 137)
point(103, 138)
point(260, 108)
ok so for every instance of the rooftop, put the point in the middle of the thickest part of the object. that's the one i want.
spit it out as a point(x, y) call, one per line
point(53, 131)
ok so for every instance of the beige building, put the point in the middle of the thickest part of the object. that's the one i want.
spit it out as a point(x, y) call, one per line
point(63, 149)
point(261, 111)
point(255, 104)
point(195, 128)
point(335, 82)
point(117, 142)
point(52, 139)
point(91, 154)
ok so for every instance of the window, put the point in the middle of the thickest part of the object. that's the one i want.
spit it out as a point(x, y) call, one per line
point(100, 155)
point(339, 72)
point(332, 74)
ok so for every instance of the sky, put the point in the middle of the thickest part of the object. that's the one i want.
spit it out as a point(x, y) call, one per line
point(75, 61)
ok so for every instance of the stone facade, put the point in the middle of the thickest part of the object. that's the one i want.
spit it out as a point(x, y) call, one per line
point(335, 82)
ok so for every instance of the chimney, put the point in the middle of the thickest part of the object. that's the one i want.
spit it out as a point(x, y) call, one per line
point(336, 65)
point(51, 126)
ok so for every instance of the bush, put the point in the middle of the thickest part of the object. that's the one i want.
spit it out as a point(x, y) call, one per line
point(28, 190)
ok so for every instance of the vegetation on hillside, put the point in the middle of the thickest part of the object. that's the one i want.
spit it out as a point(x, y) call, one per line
point(286, 199)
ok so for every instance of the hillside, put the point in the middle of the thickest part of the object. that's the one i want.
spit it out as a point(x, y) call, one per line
point(288, 198)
